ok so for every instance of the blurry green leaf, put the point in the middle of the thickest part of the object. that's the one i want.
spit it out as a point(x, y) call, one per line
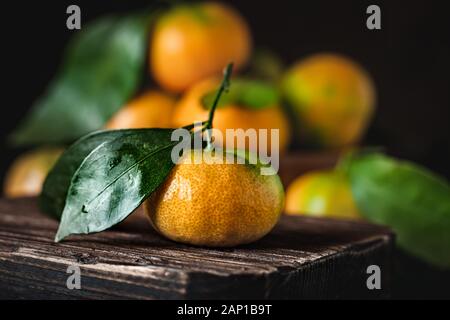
point(411, 200)
point(101, 71)
point(114, 179)
point(250, 94)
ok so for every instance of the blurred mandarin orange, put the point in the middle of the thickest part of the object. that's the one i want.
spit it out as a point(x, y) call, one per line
point(191, 109)
point(152, 109)
point(332, 98)
point(194, 41)
point(324, 193)
point(27, 173)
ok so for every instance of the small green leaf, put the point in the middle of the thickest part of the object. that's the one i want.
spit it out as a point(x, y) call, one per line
point(114, 179)
point(250, 94)
point(101, 71)
point(411, 200)
point(57, 182)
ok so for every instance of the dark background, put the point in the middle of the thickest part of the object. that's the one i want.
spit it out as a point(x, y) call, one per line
point(408, 59)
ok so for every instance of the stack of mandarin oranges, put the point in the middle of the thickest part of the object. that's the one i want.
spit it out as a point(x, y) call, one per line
point(325, 100)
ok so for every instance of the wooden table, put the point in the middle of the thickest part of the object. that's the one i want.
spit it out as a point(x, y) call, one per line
point(301, 258)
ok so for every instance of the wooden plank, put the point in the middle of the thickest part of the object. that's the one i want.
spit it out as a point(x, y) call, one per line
point(301, 258)
point(295, 164)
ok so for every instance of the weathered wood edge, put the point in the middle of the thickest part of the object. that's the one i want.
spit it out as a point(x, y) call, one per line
point(327, 277)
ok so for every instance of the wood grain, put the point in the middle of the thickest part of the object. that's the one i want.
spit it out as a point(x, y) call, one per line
point(301, 258)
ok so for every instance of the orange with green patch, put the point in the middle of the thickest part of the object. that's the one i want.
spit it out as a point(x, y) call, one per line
point(332, 98)
point(232, 115)
point(321, 194)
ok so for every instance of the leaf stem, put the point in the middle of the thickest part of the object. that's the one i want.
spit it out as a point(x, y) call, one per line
point(223, 87)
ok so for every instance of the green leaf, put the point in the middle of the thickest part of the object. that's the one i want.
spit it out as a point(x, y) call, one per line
point(101, 71)
point(411, 200)
point(114, 179)
point(57, 182)
point(250, 94)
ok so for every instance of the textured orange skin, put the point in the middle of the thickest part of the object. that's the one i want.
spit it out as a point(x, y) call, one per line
point(333, 99)
point(152, 109)
point(190, 109)
point(193, 42)
point(321, 194)
point(218, 205)
point(26, 175)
